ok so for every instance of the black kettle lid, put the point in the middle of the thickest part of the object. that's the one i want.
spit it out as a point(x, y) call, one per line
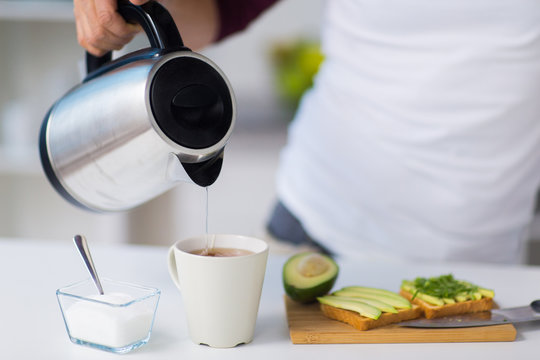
point(191, 101)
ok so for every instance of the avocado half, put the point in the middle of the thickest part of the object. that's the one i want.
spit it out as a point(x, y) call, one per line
point(309, 275)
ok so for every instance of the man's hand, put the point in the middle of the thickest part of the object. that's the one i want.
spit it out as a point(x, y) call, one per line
point(100, 28)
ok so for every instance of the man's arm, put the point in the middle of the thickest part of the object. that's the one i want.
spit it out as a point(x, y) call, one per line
point(200, 22)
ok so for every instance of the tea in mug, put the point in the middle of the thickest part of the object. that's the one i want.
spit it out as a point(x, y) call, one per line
point(221, 252)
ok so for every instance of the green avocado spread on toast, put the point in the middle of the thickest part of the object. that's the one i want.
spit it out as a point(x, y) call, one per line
point(444, 289)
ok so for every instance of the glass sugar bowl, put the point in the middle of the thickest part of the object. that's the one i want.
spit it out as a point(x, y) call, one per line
point(118, 321)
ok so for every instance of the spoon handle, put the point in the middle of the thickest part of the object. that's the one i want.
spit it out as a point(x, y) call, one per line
point(82, 246)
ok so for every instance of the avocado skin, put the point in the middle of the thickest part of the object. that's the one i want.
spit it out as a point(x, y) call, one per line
point(309, 294)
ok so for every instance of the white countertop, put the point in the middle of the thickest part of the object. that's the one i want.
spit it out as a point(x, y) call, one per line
point(32, 326)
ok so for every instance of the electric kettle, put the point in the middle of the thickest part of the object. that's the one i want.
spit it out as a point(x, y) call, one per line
point(138, 125)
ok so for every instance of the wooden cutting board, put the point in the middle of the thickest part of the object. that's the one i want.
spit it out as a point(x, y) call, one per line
point(307, 325)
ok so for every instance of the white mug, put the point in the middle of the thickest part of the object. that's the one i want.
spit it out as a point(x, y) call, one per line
point(221, 294)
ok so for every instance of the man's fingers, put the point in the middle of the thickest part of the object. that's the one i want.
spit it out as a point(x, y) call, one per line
point(97, 40)
point(110, 20)
point(100, 28)
point(139, 2)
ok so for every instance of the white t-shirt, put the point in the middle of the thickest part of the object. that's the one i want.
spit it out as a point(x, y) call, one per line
point(421, 136)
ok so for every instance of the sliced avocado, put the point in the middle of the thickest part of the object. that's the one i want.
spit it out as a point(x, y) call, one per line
point(433, 300)
point(462, 297)
point(477, 295)
point(366, 289)
point(309, 275)
point(352, 305)
point(486, 292)
point(384, 307)
point(386, 296)
point(408, 286)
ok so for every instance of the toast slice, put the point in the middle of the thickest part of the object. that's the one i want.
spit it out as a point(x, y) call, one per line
point(464, 307)
point(364, 323)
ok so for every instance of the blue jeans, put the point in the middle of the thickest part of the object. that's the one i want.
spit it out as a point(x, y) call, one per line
point(287, 228)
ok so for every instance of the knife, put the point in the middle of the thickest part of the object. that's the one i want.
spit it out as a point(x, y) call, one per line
point(494, 317)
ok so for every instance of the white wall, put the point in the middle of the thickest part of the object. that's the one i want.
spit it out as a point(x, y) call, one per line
point(38, 63)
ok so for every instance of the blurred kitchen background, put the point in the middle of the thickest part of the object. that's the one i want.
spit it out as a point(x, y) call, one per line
point(268, 66)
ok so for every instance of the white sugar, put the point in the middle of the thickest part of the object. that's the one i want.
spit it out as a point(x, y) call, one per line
point(107, 325)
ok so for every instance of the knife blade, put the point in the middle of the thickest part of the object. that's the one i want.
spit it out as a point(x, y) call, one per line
point(486, 318)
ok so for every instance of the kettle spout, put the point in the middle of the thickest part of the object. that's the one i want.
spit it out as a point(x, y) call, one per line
point(203, 173)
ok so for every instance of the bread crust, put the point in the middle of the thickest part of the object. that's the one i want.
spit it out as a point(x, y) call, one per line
point(464, 307)
point(363, 323)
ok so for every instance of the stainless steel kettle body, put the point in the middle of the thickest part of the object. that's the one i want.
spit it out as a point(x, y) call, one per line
point(139, 125)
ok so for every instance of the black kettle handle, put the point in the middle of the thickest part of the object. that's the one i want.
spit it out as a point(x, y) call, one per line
point(156, 22)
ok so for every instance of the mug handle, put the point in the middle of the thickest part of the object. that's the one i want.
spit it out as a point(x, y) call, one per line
point(156, 22)
point(173, 271)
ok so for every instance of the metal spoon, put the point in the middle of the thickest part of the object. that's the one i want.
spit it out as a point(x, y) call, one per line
point(82, 246)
